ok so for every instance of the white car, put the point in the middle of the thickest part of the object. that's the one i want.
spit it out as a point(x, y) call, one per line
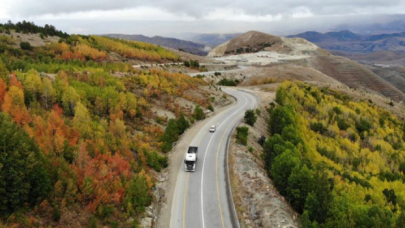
point(213, 128)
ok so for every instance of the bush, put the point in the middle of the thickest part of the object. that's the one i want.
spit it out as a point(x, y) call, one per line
point(210, 107)
point(26, 46)
point(363, 125)
point(198, 113)
point(318, 127)
point(156, 161)
point(186, 63)
point(226, 82)
point(250, 117)
point(242, 135)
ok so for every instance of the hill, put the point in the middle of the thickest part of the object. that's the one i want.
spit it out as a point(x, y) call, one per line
point(333, 160)
point(249, 49)
point(188, 46)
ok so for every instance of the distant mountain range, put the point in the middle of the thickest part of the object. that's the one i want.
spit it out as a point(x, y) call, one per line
point(187, 46)
point(210, 39)
point(348, 41)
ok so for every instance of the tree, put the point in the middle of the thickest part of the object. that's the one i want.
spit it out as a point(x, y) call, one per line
point(2, 91)
point(137, 195)
point(4, 74)
point(82, 121)
point(69, 99)
point(198, 113)
point(23, 175)
point(186, 63)
point(170, 136)
point(32, 86)
point(14, 105)
point(281, 117)
point(48, 92)
point(281, 96)
point(182, 123)
point(242, 135)
point(282, 168)
point(250, 117)
point(300, 184)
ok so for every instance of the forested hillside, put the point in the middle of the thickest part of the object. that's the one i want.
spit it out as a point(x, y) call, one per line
point(341, 163)
point(78, 144)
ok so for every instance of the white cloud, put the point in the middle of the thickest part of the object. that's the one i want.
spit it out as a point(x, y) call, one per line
point(240, 15)
point(138, 14)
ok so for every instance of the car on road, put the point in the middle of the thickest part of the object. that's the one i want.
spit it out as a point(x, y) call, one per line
point(213, 128)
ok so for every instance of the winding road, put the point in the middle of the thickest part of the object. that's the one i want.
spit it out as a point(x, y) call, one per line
point(203, 199)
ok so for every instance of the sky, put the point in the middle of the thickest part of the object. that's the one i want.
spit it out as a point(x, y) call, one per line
point(176, 17)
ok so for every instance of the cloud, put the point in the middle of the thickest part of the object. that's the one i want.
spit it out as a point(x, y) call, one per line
point(199, 9)
point(104, 16)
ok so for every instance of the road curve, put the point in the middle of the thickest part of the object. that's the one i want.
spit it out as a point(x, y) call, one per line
point(201, 198)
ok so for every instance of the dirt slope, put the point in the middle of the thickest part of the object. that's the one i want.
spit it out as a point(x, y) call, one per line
point(355, 75)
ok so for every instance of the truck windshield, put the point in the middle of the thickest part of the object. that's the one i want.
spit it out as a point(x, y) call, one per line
point(189, 162)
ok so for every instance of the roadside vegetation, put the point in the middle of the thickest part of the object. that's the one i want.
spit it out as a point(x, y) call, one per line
point(338, 162)
point(76, 139)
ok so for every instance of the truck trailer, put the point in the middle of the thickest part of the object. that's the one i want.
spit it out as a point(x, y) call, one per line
point(191, 159)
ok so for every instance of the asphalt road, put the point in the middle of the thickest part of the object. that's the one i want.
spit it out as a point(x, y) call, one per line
point(202, 198)
point(220, 71)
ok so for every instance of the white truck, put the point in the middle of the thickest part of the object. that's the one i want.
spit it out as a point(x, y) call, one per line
point(191, 159)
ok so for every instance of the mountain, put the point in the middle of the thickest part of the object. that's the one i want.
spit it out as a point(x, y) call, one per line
point(212, 40)
point(188, 46)
point(347, 41)
point(318, 37)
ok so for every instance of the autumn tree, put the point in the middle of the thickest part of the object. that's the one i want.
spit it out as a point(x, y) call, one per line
point(32, 86)
point(14, 105)
point(69, 99)
point(82, 121)
point(2, 90)
point(48, 92)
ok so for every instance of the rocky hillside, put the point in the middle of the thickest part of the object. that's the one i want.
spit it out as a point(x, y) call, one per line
point(253, 42)
point(255, 48)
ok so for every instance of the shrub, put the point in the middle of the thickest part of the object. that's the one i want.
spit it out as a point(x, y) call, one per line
point(250, 117)
point(318, 127)
point(26, 46)
point(198, 113)
point(242, 135)
point(186, 63)
point(363, 125)
point(226, 82)
point(210, 107)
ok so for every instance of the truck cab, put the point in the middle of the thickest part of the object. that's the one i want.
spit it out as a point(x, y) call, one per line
point(190, 160)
